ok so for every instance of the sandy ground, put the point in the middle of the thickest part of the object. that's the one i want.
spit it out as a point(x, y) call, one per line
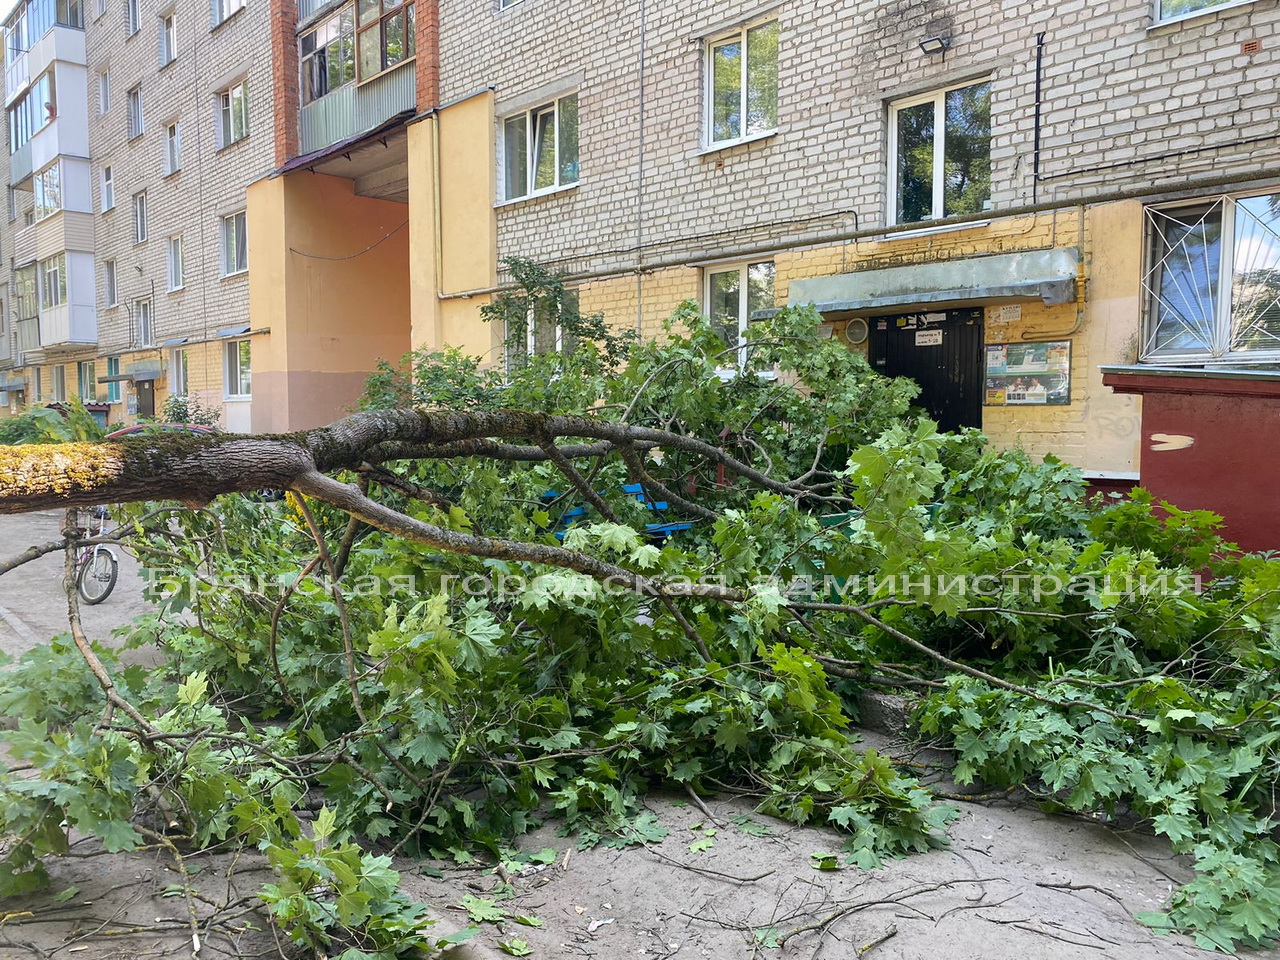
point(1014, 883)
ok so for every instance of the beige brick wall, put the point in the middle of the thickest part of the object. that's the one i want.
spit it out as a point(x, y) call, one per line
point(211, 182)
point(1119, 96)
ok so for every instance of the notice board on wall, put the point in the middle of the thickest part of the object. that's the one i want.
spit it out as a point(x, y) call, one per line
point(1028, 373)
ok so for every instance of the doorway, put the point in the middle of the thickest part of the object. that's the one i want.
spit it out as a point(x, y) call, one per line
point(146, 390)
point(942, 352)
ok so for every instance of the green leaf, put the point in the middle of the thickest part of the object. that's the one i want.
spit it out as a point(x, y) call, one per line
point(483, 909)
point(515, 947)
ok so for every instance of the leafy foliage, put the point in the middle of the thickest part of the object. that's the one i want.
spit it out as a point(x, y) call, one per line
point(445, 703)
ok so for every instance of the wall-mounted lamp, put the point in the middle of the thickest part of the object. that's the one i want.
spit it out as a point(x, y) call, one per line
point(932, 45)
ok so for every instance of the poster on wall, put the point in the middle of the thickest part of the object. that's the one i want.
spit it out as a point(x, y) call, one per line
point(1028, 373)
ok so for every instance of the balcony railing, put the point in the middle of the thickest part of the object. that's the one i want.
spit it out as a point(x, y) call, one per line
point(16, 77)
point(67, 324)
point(354, 109)
point(20, 164)
point(28, 335)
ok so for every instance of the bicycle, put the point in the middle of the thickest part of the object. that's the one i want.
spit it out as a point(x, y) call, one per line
point(98, 566)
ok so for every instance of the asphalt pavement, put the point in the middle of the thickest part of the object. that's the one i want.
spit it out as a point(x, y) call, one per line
point(33, 606)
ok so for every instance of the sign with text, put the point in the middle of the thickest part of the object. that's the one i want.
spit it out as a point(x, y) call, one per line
point(928, 338)
point(1028, 373)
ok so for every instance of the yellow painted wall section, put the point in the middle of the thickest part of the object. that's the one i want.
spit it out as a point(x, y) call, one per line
point(453, 228)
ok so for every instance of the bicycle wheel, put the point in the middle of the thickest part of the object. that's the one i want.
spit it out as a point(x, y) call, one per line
point(98, 576)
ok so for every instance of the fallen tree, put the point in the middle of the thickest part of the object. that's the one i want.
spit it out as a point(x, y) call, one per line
point(467, 615)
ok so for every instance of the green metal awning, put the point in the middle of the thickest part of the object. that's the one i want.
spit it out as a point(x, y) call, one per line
point(1045, 275)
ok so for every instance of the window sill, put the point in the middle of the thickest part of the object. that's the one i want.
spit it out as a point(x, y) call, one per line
point(234, 275)
point(730, 144)
point(928, 231)
point(225, 20)
point(232, 145)
point(171, 174)
point(382, 73)
point(1196, 15)
point(237, 398)
point(166, 65)
point(540, 194)
point(173, 290)
point(134, 138)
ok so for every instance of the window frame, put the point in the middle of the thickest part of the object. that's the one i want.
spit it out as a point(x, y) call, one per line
point(220, 11)
point(132, 19)
point(113, 387)
point(136, 115)
point(110, 284)
point(179, 374)
point(87, 387)
point(345, 40)
point(1219, 348)
point(107, 184)
point(172, 148)
point(741, 34)
point(58, 386)
point(530, 118)
point(229, 113)
point(177, 278)
point(228, 223)
point(938, 97)
point(144, 335)
point(55, 295)
point(743, 269)
point(141, 224)
point(237, 370)
point(386, 13)
point(42, 189)
point(1159, 20)
point(168, 38)
point(104, 91)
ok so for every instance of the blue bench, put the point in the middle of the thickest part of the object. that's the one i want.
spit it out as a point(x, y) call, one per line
point(656, 531)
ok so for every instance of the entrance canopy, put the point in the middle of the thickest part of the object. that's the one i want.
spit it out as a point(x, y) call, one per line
point(1047, 275)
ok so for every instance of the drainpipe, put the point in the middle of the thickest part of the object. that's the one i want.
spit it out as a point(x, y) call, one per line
point(1035, 149)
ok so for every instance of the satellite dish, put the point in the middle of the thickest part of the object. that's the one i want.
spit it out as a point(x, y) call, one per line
point(855, 331)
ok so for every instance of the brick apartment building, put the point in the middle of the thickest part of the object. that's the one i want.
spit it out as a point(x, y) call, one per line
point(996, 199)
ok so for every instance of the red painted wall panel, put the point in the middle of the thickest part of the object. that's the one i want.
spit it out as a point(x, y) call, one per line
point(1213, 444)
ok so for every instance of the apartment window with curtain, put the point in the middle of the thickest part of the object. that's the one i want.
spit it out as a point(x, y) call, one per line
point(235, 245)
point(233, 114)
point(58, 389)
point(131, 21)
point(33, 110)
point(384, 35)
point(742, 84)
point(540, 148)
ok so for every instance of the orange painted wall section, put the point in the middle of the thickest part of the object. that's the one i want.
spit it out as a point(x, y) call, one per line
point(329, 275)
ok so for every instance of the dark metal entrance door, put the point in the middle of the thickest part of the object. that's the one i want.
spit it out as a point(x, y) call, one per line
point(940, 351)
point(146, 397)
